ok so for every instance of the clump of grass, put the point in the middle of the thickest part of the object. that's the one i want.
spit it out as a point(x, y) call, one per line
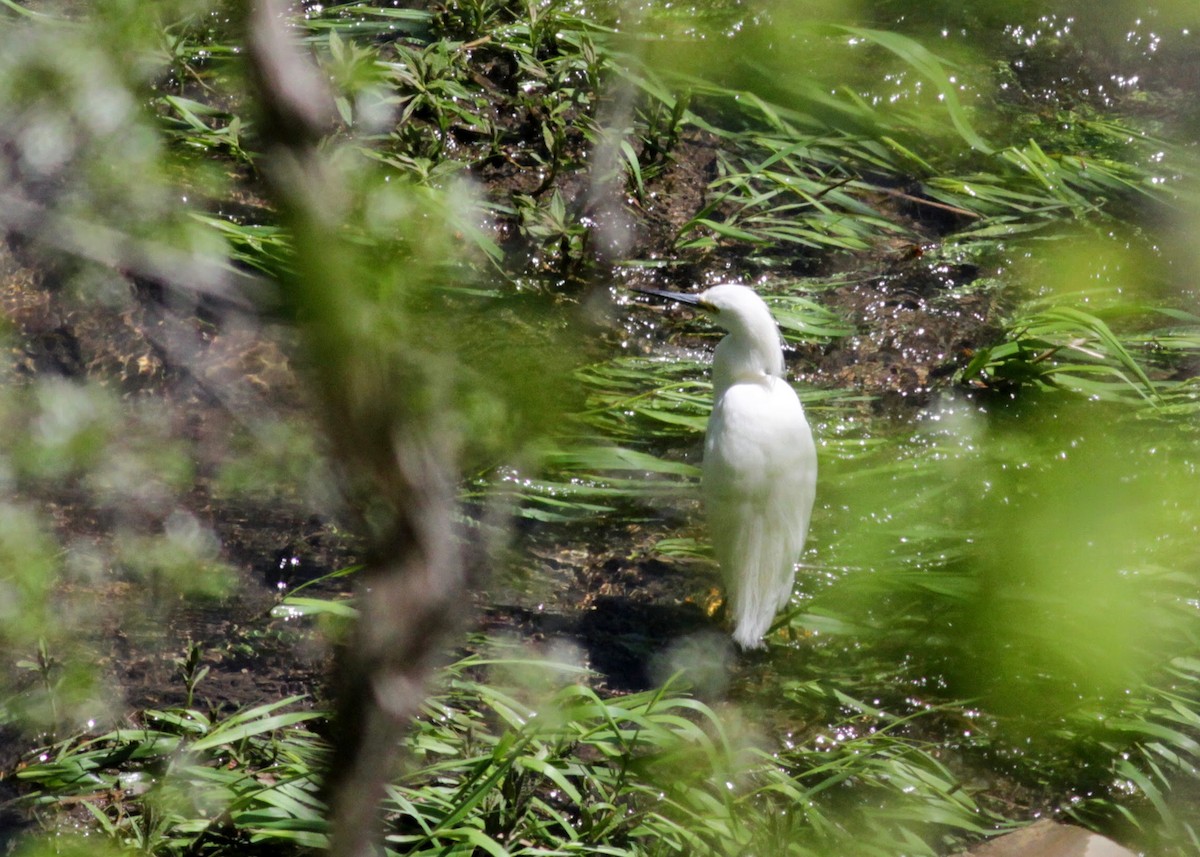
point(659, 773)
point(516, 756)
point(180, 780)
point(1054, 344)
point(546, 763)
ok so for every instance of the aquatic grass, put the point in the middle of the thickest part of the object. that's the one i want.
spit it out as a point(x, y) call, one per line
point(788, 208)
point(902, 566)
point(811, 172)
point(641, 399)
point(803, 319)
point(432, 78)
point(651, 402)
point(204, 128)
point(913, 54)
point(1053, 343)
point(17, 8)
point(365, 21)
point(914, 798)
point(432, 81)
point(655, 773)
point(1179, 400)
point(555, 231)
point(1032, 188)
point(789, 178)
point(772, 190)
point(577, 482)
point(516, 755)
point(182, 780)
point(1127, 762)
point(610, 457)
point(264, 247)
point(831, 180)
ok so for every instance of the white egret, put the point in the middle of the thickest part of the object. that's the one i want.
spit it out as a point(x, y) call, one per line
point(760, 463)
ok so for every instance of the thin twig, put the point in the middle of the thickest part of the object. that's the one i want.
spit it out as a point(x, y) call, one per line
point(953, 209)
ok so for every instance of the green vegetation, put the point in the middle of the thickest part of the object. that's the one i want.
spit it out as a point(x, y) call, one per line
point(997, 614)
point(522, 769)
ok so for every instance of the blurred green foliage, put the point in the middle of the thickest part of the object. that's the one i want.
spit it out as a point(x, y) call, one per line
point(998, 614)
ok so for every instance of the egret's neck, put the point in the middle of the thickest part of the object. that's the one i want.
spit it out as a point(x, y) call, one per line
point(747, 357)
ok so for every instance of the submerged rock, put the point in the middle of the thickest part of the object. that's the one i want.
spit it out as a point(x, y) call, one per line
point(1050, 839)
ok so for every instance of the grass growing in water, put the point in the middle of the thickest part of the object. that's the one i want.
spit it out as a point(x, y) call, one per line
point(515, 756)
point(915, 596)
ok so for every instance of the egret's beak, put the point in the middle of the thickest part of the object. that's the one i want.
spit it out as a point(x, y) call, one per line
point(681, 297)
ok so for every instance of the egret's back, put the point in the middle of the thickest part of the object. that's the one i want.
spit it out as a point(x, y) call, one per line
point(760, 471)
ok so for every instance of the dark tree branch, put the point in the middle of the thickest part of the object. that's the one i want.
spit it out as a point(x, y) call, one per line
point(413, 589)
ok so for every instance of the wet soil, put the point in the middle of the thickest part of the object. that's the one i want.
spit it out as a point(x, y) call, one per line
point(215, 373)
point(205, 381)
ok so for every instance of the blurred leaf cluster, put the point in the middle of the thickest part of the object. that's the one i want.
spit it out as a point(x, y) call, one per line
point(998, 614)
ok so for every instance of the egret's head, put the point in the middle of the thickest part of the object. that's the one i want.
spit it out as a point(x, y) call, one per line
point(753, 347)
point(736, 309)
point(739, 310)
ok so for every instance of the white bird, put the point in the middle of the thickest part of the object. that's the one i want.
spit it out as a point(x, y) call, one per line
point(760, 462)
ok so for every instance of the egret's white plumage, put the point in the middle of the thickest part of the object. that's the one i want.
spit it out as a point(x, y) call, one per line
point(760, 463)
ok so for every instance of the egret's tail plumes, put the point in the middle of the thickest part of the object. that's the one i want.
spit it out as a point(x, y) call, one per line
point(759, 570)
point(760, 470)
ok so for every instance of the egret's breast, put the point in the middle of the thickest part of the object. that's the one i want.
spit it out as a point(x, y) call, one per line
point(757, 435)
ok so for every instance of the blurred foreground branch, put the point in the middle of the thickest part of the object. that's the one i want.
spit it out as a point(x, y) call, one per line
point(119, 251)
point(377, 407)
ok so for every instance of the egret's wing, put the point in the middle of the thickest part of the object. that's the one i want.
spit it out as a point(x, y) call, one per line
point(760, 470)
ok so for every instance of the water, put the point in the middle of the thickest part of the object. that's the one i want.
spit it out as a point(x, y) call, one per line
point(1000, 586)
